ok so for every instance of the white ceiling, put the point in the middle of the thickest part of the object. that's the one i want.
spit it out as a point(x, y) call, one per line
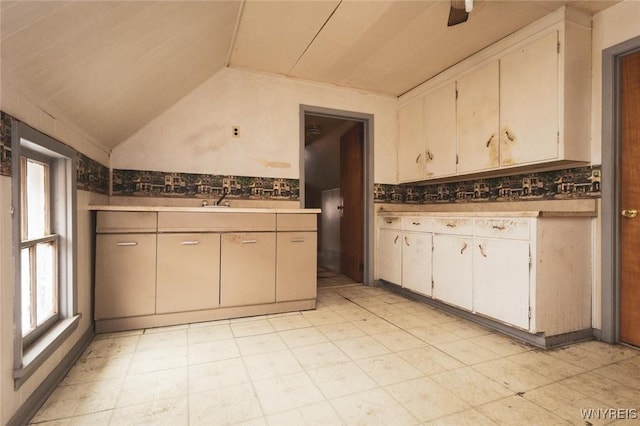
point(109, 67)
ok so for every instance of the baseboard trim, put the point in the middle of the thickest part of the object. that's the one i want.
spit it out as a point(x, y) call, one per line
point(31, 406)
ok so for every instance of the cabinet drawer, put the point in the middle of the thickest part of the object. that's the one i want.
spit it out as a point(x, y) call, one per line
point(123, 222)
point(453, 225)
point(417, 224)
point(511, 228)
point(296, 222)
point(215, 222)
point(390, 222)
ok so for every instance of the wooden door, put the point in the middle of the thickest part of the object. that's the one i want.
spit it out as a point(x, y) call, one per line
point(352, 190)
point(630, 200)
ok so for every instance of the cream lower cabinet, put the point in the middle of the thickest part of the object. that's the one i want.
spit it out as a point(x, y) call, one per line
point(417, 246)
point(247, 268)
point(125, 275)
point(188, 272)
point(501, 270)
point(296, 266)
point(452, 261)
point(390, 250)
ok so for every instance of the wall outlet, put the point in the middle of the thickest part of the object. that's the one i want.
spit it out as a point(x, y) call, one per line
point(235, 131)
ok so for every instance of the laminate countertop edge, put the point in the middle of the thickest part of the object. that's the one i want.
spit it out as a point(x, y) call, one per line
point(200, 209)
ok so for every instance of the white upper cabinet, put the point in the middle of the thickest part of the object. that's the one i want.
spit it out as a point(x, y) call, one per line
point(411, 142)
point(440, 132)
point(478, 109)
point(522, 104)
point(529, 103)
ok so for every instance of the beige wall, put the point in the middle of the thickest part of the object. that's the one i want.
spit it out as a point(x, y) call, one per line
point(10, 400)
point(195, 134)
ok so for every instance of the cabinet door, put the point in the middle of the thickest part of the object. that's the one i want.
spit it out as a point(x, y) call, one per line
point(501, 280)
point(416, 262)
point(477, 120)
point(411, 142)
point(247, 268)
point(390, 255)
point(440, 132)
point(529, 107)
point(452, 269)
point(125, 275)
point(296, 267)
point(188, 272)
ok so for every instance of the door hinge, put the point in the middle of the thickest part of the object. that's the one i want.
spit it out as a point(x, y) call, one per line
point(456, 93)
point(457, 159)
point(529, 312)
point(12, 211)
point(432, 284)
point(558, 47)
point(558, 137)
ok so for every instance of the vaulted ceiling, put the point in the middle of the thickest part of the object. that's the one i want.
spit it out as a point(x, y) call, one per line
point(109, 67)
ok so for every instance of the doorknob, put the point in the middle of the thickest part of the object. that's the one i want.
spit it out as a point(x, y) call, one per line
point(630, 213)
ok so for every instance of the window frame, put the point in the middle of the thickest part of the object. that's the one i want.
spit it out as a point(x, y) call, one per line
point(33, 350)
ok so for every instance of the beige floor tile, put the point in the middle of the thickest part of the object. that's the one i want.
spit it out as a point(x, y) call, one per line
point(433, 334)
point(217, 374)
point(465, 329)
point(516, 410)
point(501, 344)
point(319, 355)
point(624, 372)
point(430, 360)
point(437, 317)
point(546, 365)
point(251, 328)
point(511, 375)
point(467, 352)
point(341, 379)
point(302, 337)
point(375, 326)
point(209, 333)
point(592, 358)
point(165, 340)
point(225, 406)
point(361, 347)
point(149, 387)
point(564, 402)
point(609, 393)
point(260, 344)
point(95, 369)
point(389, 369)
point(169, 412)
point(471, 386)
point(322, 317)
point(213, 351)
point(407, 320)
point(426, 399)
point(286, 392)
point(100, 348)
point(289, 322)
point(209, 323)
point(469, 417)
point(100, 336)
point(319, 414)
point(340, 331)
point(95, 419)
point(272, 364)
point(356, 314)
point(372, 407)
point(166, 329)
point(613, 353)
point(400, 340)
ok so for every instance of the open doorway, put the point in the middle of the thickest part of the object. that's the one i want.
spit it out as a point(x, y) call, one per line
point(335, 176)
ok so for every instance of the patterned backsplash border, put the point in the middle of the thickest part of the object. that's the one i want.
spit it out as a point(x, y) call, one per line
point(91, 175)
point(575, 183)
point(144, 183)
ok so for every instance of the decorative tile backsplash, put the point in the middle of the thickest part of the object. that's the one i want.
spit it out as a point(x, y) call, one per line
point(583, 182)
point(91, 175)
point(191, 185)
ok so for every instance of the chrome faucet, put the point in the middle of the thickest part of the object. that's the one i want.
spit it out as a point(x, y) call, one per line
point(225, 191)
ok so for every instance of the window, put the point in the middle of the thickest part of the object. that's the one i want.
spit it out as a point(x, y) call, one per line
point(45, 312)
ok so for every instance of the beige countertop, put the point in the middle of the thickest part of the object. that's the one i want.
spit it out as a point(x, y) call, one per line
point(526, 213)
point(200, 209)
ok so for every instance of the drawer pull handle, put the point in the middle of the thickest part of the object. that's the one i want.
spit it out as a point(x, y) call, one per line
point(509, 135)
point(490, 140)
point(297, 240)
point(418, 158)
point(429, 155)
point(464, 247)
point(482, 250)
point(127, 244)
point(249, 241)
point(396, 239)
point(389, 221)
point(499, 227)
point(190, 243)
point(451, 225)
point(406, 241)
point(415, 223)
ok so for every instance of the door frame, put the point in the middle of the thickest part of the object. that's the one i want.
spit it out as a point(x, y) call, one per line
point(610, 204)
point(368, 213)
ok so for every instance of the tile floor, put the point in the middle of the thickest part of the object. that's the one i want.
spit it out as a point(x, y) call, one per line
point(365, 356)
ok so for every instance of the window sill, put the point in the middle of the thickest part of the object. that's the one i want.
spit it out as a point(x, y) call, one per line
point(38, 352)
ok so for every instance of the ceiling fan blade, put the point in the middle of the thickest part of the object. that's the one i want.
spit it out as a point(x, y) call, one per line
point(457, 15)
